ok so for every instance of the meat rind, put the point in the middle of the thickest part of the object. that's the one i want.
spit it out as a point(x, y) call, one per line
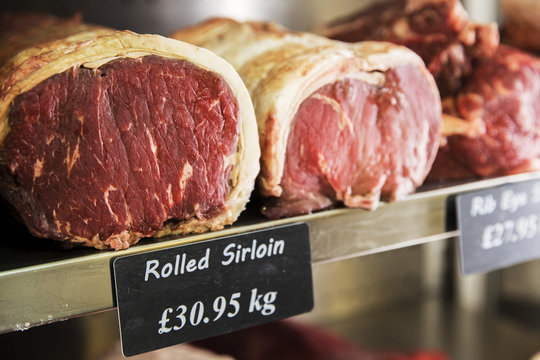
point(438, 30)
point(499, 111)
point(52, 46)
point(282, 68)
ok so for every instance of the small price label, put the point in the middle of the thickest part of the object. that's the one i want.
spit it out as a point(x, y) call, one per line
point(197, 313)
point(199, 290)
point(499, 227)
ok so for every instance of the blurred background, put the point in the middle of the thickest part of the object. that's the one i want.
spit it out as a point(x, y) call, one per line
point(408, 298)
point(164, 16)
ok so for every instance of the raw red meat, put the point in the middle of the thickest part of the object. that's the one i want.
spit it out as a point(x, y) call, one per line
point(501, 119)
point(129, 145)
point(107, 137)
point(338, 123)
point(491, 116)
point(372, 146)
point(438, 30)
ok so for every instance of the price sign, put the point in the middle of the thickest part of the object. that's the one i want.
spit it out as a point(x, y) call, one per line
point(499, 227)
point(199, 290)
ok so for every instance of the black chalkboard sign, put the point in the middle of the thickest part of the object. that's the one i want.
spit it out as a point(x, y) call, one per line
point(499, 227)
point(199, 290)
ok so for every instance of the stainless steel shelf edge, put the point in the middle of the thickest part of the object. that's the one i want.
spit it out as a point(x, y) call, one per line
point(56, 290)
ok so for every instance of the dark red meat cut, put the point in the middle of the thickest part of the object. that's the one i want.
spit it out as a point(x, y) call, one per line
point(488, 91)
point(499, 102)
point(119, 150)
point(339, 123)
point(438, 30)
point(366, 146)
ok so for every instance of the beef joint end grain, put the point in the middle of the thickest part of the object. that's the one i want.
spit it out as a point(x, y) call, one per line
point(370, 153)
point(489, 91)
point(126, 146)
point(338, 123)
point(110, 136)
point(438, 30)
point(502, 94)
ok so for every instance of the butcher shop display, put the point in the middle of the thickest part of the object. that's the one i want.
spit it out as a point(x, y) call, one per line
point(499, 130)
point(521, 25)
point(491, 116)
point(438, 30)
point(338, 123)
point(110, 136)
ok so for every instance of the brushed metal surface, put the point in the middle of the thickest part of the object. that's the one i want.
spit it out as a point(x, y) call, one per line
point(434, 324)
point(53, 284)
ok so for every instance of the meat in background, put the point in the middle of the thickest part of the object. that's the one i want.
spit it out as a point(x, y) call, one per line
point(438, 30)
point(521, 24)
point(499, 106)
point(491, 123)
point(338, 123)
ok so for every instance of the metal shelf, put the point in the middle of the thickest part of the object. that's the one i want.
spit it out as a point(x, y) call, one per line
point(406, 326)
point(42, 284)
point(433, 324)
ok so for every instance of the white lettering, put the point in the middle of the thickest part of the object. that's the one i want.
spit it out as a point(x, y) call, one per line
point(244, 252)
point(267, 306)
point(483, 205)
point(270, 246)
point(261, 251)
point(176, 264)
point(205, 260)
point(253, 248)
point(228, 252)
point(535, 193)
point(254, 302)
point(279, 247)
point(166, 270)
point(512, 201)
point(237, 253)
point(164, 320)
point(151, 266)
point(191, 265)
point(237, 259)
point(181, 264)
